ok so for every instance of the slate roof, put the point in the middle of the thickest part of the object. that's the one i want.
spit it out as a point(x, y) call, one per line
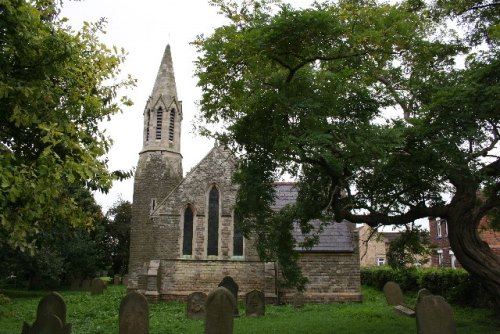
point(336, 237)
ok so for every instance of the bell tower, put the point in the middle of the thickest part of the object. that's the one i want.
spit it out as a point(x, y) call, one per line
point(159, 168)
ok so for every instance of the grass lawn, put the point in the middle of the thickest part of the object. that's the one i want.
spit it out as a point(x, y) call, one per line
point(99, 314)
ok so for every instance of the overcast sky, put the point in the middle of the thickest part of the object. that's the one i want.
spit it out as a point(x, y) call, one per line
point(144, 28)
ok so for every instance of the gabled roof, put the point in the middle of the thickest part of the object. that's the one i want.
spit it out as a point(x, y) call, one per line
point(335, 237)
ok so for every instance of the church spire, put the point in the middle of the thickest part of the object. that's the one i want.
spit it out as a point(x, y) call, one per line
point(163, 112)
point(165, 79)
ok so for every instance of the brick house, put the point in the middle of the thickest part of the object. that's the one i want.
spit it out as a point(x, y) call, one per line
point(373, 248)
point(444, 256)
point(183, 233)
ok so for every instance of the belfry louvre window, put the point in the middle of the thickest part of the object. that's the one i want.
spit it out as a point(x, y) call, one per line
point(213, 222)
point(187, 244)
point(171, 125)
point(159, 119)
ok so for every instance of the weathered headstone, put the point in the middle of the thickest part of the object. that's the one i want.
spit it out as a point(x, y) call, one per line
point(393, 294)
point(195, 308)
point(229, 283)
point(219, 308)
point(422, 293)
point(53, 303)
point(255, 305)
point(134, 314)
point(298, 300)
point(50, 317)
point(86, 284)
point(97, 286)
point(435, 316)
point(46, 324)
point(117, 280)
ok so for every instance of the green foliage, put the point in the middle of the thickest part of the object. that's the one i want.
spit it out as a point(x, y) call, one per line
point(99, 314)
point(412, 247)
point(60, 251)
point(456, 285)
point(117, 237)
point(56, 85)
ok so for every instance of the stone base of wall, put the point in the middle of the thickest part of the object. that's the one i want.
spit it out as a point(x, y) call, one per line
point(325, 298)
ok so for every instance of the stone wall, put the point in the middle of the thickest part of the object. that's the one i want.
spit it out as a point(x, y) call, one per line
point(179, 278)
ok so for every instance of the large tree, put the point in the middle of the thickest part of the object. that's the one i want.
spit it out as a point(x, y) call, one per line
point(56, 85)
point(368, 107)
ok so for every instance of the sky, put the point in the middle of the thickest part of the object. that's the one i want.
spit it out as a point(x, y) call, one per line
point(144, 28)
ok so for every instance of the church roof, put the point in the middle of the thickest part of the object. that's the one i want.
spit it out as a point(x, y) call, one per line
point(335, 237)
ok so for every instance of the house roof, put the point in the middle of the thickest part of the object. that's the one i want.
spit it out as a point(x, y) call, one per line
point(335, 237)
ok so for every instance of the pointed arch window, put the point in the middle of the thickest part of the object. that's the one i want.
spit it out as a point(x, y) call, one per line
point(159, 119)
point(187, 244)
point(237, 236)
point(171, 125)
point(213, 222)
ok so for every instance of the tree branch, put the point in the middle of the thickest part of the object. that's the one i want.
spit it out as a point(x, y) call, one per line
point(392, 90)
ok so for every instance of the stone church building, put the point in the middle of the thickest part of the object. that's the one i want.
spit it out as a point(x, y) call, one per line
point(183, 237)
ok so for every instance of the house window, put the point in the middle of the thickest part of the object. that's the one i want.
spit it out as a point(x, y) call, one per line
point(187, 244)
point(171, 125)
point(445, 224)
point(438, 226)
point(440, 257)
point(237, 237)
point(159, 119)
point(213, 222)
point(453, 259)
point(380, 261)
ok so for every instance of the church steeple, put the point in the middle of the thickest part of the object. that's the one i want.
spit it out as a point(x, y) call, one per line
point(163, 111)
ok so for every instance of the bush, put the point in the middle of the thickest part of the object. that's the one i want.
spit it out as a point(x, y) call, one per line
point(456, 285)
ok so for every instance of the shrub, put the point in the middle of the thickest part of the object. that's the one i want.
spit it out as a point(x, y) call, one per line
point(456, 285)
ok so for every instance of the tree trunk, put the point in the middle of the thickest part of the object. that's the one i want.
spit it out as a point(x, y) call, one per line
point(474, 254)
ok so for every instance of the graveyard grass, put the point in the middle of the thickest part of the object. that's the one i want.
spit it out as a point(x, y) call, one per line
point(99, 314)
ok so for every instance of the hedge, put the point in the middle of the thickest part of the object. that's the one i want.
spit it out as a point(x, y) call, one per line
point(456, 285)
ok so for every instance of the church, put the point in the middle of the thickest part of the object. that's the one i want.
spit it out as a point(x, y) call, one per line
point(183, 237)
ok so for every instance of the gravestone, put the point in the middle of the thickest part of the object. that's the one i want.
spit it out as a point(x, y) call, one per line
point(46, 324)
point(86, 284)
point(134, 314)
point(298, 300)
point(435, 316)
point(50, 317)
point(117, 280)
point(422, 293)
point(195, 308)
point(255, 305)
point(219, 309)
point(393, 294)
point(97, 286)
point(229, 283)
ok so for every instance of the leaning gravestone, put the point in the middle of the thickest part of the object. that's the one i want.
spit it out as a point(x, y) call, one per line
point(97, 286)
point(50, 317)
point(219, 308)
point(229, 283)
point(134, 314)
point(195, 308)
point(422, 293)
point(255, 305)
point(393, 294)
point(298, 300)
point(435, 316)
